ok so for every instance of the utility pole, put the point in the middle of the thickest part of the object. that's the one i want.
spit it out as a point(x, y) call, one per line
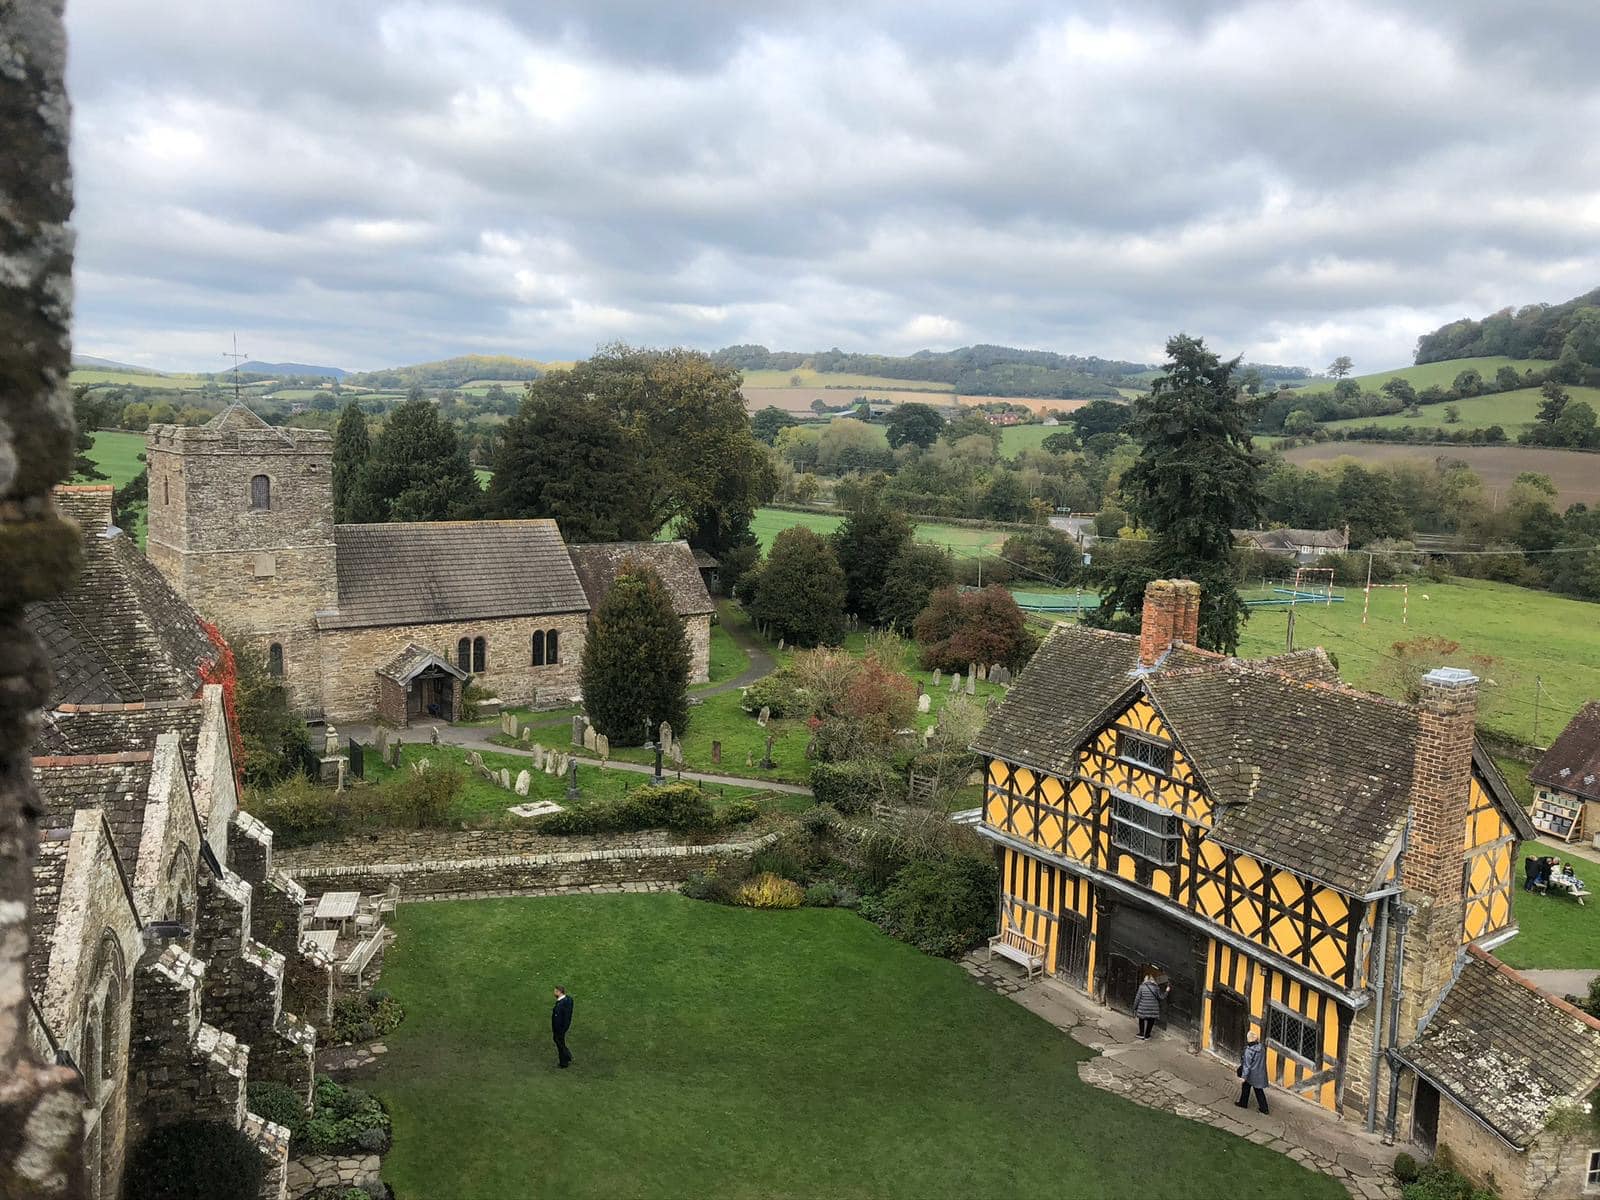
point(1291, 629)
point(1538, 690)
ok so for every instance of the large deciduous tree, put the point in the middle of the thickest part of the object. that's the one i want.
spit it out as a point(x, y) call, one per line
point(913, 424)
point(418, 471)
point(1196, 479)
point(635, 659)
point(958, 629)
point(352, 447)
point(798, 593)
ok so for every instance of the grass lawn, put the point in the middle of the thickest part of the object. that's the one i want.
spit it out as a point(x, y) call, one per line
point(1513, 411)
point(1534, 635)
point(963, 540)
point(731, 1052)
point(1555, 931)
point(116, 453)
point(1014, 438)
point(481, 798)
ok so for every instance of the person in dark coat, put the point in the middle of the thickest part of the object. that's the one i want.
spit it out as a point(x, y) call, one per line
point(1530, 871)
point(1147, 1004)
point(1253, 1072)
point(560, 1022)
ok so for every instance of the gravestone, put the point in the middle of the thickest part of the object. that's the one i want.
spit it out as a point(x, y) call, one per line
point(972, 671)
point(665, 737)
point(749, 758)
point(780, 645)
point(380, 742)
point(550, 762)
point(505, 778)
point(527, 734)
point(938, 677)
point(716, 751)
point(955, 683)
point(591, 738)
point(766, 761)
point(508, 724)
point(580, 730)
point(983, 673)
point(330, 741)
point(972, 685)
point(421, 765)
point(339, 785)
point(474, 759)
point(919, 687)
point(536, 808)
point(766, 715)
point(924, 703)
point(571, 773)
point(523, 782)
point(396, 753)
point(602, 746)
point(433, 734)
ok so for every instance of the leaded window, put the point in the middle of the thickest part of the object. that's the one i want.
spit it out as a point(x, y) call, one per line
point(275, 659)
point(480, 654)
point(538, 648)
point(552, 647)
point(260, 492)
point(1143, 829)
point(1146, 753)
point(1594, 1170)
point(1293, 1034)
point(464, 654)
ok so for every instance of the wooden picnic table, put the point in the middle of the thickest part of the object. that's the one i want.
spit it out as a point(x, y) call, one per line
point(337, 907)
point(323, 939)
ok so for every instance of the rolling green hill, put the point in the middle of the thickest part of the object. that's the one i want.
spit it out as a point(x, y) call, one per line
point(99, 377)
point(809, 377)
point(1512, 411)
point(452, 372)
point(1434, 374)
point(117, 455)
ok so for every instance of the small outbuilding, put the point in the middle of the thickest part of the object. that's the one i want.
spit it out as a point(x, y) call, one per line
point(417, 684)
point(1566, 781)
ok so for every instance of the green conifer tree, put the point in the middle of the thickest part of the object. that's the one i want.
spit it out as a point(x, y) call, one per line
point(798, 593)
point(352, 446)
point(635, 660)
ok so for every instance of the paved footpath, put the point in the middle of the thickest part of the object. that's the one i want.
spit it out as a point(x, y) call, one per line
point(1165, 1073)
point(1562, 984)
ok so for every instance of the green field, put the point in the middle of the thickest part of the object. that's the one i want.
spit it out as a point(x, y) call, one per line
point(1438, 374)
point(1513, 411)
point(1532, 635)
point(738, 1053)
point(819, 379)
point(95, 377)
point(1015, 438)
point(964, 541)
point(117, 455)
point(1555, 932)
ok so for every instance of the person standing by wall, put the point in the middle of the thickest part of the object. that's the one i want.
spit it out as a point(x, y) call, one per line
point(1253, 1072)
point(1147, 1004)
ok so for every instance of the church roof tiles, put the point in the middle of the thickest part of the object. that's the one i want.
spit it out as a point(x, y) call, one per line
point(597, 565)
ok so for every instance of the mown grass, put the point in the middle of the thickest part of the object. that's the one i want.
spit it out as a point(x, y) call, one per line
point(1512, 411)
point(964, 540)
point(736, 1053)
point(1531, 635)
point(1556, 933)
point(116, 454)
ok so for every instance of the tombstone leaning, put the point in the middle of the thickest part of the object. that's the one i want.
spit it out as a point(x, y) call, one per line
point(972, 685)
point(505, 778)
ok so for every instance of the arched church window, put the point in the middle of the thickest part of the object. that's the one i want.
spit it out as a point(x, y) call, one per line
point(538, 648)
point(260, 492)
point(109, 1016)
point(89, 1068)
point(464, 654)
point(552, 647)
point(480, 654)
point(275, 659)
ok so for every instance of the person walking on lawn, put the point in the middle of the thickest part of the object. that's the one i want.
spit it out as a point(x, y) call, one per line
point(1253, 1072)
point(1147, 1004)
point(560, 1022)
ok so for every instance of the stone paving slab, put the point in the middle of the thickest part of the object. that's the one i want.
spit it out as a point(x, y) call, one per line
point(1165, 1073)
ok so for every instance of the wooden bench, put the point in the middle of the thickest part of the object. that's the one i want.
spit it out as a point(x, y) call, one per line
point(1012, 943)
point(361, 957)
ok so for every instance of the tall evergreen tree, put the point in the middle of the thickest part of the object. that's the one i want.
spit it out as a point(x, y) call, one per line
point(798, 593)
point(1197, 478)
point(86, 414)
point(635, 659)
point(417, 470)
point(352, 447)
point(866, 543)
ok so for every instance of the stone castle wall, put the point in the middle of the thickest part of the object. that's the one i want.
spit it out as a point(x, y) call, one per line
point(349, 659)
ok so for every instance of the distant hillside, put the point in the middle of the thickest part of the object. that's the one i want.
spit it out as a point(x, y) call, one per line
point(109, 364)
point(451, 372)
point(1569, 331)
point(265, 368)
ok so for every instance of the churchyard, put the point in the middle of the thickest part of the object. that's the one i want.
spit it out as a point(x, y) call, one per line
point(729, 1051)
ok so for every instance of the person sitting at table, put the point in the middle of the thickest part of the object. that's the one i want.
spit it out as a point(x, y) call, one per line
point(1567, 879)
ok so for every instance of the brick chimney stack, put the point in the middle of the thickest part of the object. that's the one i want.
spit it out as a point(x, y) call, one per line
point(1171, 614)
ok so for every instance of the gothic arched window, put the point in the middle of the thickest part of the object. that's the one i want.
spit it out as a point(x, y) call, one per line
point(260, 492)
point(480, 654)
point(552, 647)
point(538, 648)
point(464, 654)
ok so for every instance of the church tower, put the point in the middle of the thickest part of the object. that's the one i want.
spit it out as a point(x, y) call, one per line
point(241, 525)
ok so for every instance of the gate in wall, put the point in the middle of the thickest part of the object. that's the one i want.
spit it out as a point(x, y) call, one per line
point(1134, 941)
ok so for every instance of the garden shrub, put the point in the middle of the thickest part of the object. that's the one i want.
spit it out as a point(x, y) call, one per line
point(276, 1102)
point(362, 1018)
point(819, 821)
point(942, 906)
point(473, 695)
point(193, 1160)
point(848, 786)
point(782, 859)
point(423, 799)
point(1406, 1168)
point(1439, 1180)
point(677, 806)
point(719, 885)
point(827, 894)
point(770, 891)
point(958, 629)
point(739, 812)
point(778, 693)
point(344, 1120)
point(297, 810)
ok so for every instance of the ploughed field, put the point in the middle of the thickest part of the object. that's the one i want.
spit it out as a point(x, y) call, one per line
point(1575, 473)
point(742, 1053)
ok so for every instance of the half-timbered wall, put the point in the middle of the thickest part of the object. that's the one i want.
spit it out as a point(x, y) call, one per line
point(1311, 925)
point(1491, 854)
point(1261, 988)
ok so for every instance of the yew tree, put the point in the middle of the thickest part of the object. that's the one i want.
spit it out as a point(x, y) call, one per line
point(635, 659)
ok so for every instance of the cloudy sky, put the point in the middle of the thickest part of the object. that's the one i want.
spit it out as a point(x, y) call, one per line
point(364, 183)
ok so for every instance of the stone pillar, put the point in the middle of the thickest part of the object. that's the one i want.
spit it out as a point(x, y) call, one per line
point(41, 1105)
point(1171, 614)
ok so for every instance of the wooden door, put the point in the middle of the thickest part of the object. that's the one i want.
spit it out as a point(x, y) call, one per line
point(1230, 1017)
point(1072, 950)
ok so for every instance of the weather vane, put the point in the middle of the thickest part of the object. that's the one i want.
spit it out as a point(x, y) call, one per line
point(236, 356)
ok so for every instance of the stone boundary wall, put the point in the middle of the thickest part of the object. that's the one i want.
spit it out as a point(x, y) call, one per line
point(593, 866)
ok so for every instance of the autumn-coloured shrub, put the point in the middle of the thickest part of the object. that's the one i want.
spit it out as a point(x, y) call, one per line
point(959, 629)
point(771, 891)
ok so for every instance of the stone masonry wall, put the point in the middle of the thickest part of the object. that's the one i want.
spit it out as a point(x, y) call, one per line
point(510, 871)
point(697, 631)
point(41, 1105)
point(350, 657)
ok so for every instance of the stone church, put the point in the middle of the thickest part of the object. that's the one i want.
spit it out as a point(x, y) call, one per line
point(165, 961)
point(392, 620)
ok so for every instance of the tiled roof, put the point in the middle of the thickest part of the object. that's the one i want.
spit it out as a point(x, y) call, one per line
point(597, 564)
point(415, 659)
point(439, 571)
point(1290, 539)
point(1310, 777)
point(1572, 764)
point(116, 784)
point(119, 634)
point(1506, 1051)
point(108, 730)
